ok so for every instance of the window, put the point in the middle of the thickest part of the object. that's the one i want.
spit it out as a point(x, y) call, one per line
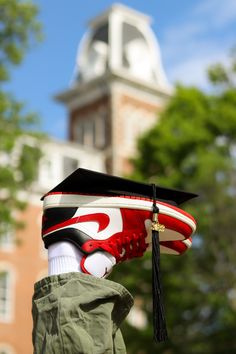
point(79, 132)
point(6, 349)
point(136, 53)
point(99, 138)
point(101, 34)
point(6, 295)
point(47, 169)
point(6, 238)
point(91, 131)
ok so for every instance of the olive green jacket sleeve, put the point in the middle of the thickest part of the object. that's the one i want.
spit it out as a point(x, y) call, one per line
point(76, 313)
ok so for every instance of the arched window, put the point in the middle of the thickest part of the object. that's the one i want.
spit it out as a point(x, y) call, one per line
point(6, 349)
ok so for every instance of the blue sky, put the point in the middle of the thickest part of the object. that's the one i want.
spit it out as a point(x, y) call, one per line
point(192, 34)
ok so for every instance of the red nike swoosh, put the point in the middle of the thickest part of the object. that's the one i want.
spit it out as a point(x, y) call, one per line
point(101, 218)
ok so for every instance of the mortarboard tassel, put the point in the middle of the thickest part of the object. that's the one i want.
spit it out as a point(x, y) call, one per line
point(159, 323)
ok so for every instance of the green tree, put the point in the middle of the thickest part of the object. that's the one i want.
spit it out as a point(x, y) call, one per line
point(18, 161)
point(19, 29)
point(193, 147)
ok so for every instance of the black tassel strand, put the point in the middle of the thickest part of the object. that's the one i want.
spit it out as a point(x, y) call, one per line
point(159, 323)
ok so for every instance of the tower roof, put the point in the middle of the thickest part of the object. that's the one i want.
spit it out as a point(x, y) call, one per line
point(121, 41)
point(123, 11)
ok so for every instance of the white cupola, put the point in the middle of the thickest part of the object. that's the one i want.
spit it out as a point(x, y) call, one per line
point(121, 41)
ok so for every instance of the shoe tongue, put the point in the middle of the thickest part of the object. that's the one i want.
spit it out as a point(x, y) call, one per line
point(99, 264)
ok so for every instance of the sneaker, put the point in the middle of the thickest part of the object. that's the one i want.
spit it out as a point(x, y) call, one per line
point(119, 226)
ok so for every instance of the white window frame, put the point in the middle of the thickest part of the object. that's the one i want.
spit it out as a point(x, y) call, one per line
point(6, 349)
point(7, 316)
point(7, 240)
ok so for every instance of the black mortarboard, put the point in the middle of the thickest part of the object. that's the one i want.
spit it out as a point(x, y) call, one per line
point(87, 181)
point(83, 181)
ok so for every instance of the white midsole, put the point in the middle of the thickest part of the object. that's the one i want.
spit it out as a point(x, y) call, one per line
point(77, 200)
point(187, 242)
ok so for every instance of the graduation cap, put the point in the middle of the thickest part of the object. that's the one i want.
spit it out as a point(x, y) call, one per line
point(83, 181)
point(91, 182)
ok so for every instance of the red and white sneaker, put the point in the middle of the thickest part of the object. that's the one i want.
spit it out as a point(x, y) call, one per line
point(117, 226)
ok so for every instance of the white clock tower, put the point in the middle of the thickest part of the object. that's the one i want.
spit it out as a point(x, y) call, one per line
point(119, 86)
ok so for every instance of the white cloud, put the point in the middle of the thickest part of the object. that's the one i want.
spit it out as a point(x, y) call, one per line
point(218, 13)
point(190, 47)
point(183, 32)
point(193, 71)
